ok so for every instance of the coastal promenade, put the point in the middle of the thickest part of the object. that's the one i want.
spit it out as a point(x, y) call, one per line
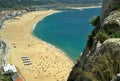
point(47, 62)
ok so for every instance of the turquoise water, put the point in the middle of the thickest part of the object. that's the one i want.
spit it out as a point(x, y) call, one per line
point(67, 30)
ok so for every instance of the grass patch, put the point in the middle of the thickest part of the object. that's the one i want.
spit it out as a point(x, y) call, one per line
point(116, 34)
point(5, 77)
point(102, 36)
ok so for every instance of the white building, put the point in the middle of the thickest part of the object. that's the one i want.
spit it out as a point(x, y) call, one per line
point(9, 67)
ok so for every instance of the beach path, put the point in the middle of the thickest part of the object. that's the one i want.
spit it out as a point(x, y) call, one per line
point(48, 63)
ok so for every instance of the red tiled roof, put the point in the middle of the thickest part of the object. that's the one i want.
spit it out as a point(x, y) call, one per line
point(19, 78)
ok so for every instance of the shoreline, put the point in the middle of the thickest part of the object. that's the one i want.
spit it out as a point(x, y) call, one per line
point(13, 40)
point(43, 18)
point(82, 8)
point(51, 45)
point(48, 62)
point(47, 42)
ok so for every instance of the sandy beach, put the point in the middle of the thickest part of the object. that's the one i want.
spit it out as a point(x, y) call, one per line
point(48, 62)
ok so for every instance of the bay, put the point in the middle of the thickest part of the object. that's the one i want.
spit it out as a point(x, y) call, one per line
point(67, 30)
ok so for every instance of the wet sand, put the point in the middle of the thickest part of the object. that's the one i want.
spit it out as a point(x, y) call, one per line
point(48, 62)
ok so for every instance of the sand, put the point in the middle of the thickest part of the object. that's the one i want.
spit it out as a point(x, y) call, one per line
point(48, 62)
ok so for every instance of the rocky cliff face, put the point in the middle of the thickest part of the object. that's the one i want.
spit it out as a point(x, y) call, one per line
point(3, 49)
point(100, 60)
point(108, 6)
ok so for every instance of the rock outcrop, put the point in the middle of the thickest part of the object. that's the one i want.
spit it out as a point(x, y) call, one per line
point(112, 19)
point(3, 49)
point(100, 60)
point(108, 6)
point(102, 65)
point(117, 78)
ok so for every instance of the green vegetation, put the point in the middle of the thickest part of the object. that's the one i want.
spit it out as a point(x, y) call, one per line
point(111, 27)
point(19, 4)
point(95, 20)
point(102, 36)
point(90, 41)
point(111, 30)
point(118, 8)
point(116, 34)
point(10, 4)
point(100, 68)
point(5, 77)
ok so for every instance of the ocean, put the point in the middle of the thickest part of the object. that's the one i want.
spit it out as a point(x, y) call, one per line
point(67, 30)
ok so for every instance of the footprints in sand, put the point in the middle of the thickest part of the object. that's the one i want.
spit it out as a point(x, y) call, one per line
point(45, 62)
point(50, 67)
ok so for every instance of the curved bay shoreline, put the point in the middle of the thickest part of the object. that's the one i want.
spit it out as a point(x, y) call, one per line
point(48, 63)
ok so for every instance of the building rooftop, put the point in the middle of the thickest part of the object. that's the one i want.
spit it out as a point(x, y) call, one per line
point(19, 79)
point(9, 67)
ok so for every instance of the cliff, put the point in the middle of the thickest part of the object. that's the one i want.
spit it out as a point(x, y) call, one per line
point(100, 60)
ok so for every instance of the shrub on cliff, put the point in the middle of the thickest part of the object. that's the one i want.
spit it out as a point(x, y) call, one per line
point(95, 20)
point(116, 34)
point(90, 41)
point(102, 36)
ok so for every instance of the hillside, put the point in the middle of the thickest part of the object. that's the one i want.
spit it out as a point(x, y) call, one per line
point(100, 60)
point(80, 1)
point(18, 4)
